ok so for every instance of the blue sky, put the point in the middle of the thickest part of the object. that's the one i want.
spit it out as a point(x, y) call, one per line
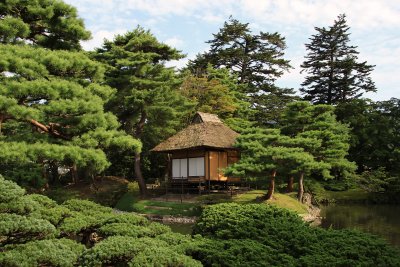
point(187, 24)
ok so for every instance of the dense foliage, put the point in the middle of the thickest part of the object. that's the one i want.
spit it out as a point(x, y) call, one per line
point(310, 142)
point(46, 23)
point(146, 103)
point(52, 99)
point(374, 144)
point(52, 111)
point(334, 74)
point(280, 238)
point(36, 231)
point(257, 61)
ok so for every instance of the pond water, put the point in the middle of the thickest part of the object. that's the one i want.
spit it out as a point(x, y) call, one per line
point(182, 228)
point(382, 220)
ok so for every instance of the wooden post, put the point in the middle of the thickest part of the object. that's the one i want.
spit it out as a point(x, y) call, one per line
point(166, 190)
point(181, 189)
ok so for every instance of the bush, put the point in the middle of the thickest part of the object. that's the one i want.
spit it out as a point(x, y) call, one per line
point(52, 252)
point(117, 250)
point(133, 188)
point(278, 232)
point(126, 229)
point(163, 257)
point(237, 252)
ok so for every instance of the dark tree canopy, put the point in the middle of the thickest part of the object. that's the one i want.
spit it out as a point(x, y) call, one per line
point(334, 73)
point(48, 23)
point(375, 134)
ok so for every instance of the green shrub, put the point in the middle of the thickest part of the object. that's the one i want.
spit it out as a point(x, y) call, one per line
point(126, 229)
point(52, 252)
point(266, 223)
point(117, 250)
point(130, 218)
point(237, 252)
point(20, 229)
point(133, 188)
point(162, 257)
point(282, 233)
point(9, 190)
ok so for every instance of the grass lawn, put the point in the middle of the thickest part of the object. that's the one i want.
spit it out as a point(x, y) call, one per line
point(287, 201)
point(130, 202)
point(351, 195)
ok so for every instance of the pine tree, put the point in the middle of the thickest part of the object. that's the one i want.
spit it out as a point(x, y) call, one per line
point(46, 23)
point(318, 124)
point(334, 73)
point(257, 62)
point(52, 101)
point(265, 152)
point(147, 103)
point(52, 109)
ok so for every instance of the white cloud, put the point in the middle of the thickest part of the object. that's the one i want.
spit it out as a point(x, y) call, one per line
point(177, 64)
point(361, 14)
point(188, 24)
point(174, 42)
point(98, 38)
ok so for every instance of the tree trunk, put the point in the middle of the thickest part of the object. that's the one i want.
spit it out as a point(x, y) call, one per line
point(1, 124)
point(138, 171)
point(301, 188)
point(44, 175)
point(54, 173)
point(289, 187)
point(139, 176)
point(74, 173)
point(271, 187)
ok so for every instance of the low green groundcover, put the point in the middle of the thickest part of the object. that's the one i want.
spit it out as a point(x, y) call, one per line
point(36, 231)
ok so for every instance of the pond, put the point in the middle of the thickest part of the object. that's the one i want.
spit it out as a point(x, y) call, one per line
point(182, 228)
point(381, 220)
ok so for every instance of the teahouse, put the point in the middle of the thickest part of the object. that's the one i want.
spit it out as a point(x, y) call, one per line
point(199, 152)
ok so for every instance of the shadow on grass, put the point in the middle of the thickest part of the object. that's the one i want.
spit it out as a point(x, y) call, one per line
point(132, 202)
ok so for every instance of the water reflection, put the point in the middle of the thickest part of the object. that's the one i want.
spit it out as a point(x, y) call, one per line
point(382, 220)
point(182, 228)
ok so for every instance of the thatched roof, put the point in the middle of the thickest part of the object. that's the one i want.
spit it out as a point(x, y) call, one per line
point(207, 130)
point(205, 117)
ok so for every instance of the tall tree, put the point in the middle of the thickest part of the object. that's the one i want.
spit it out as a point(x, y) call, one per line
point(52, 102)
point(215, 91)
point(334, 73)
point(47, 23)
point(265, 152)
point(52, 109)
point(146, 99)
point(318, 122)
point(256, 60)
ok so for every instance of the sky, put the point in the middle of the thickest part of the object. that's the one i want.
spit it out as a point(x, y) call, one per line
point(188, 24)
